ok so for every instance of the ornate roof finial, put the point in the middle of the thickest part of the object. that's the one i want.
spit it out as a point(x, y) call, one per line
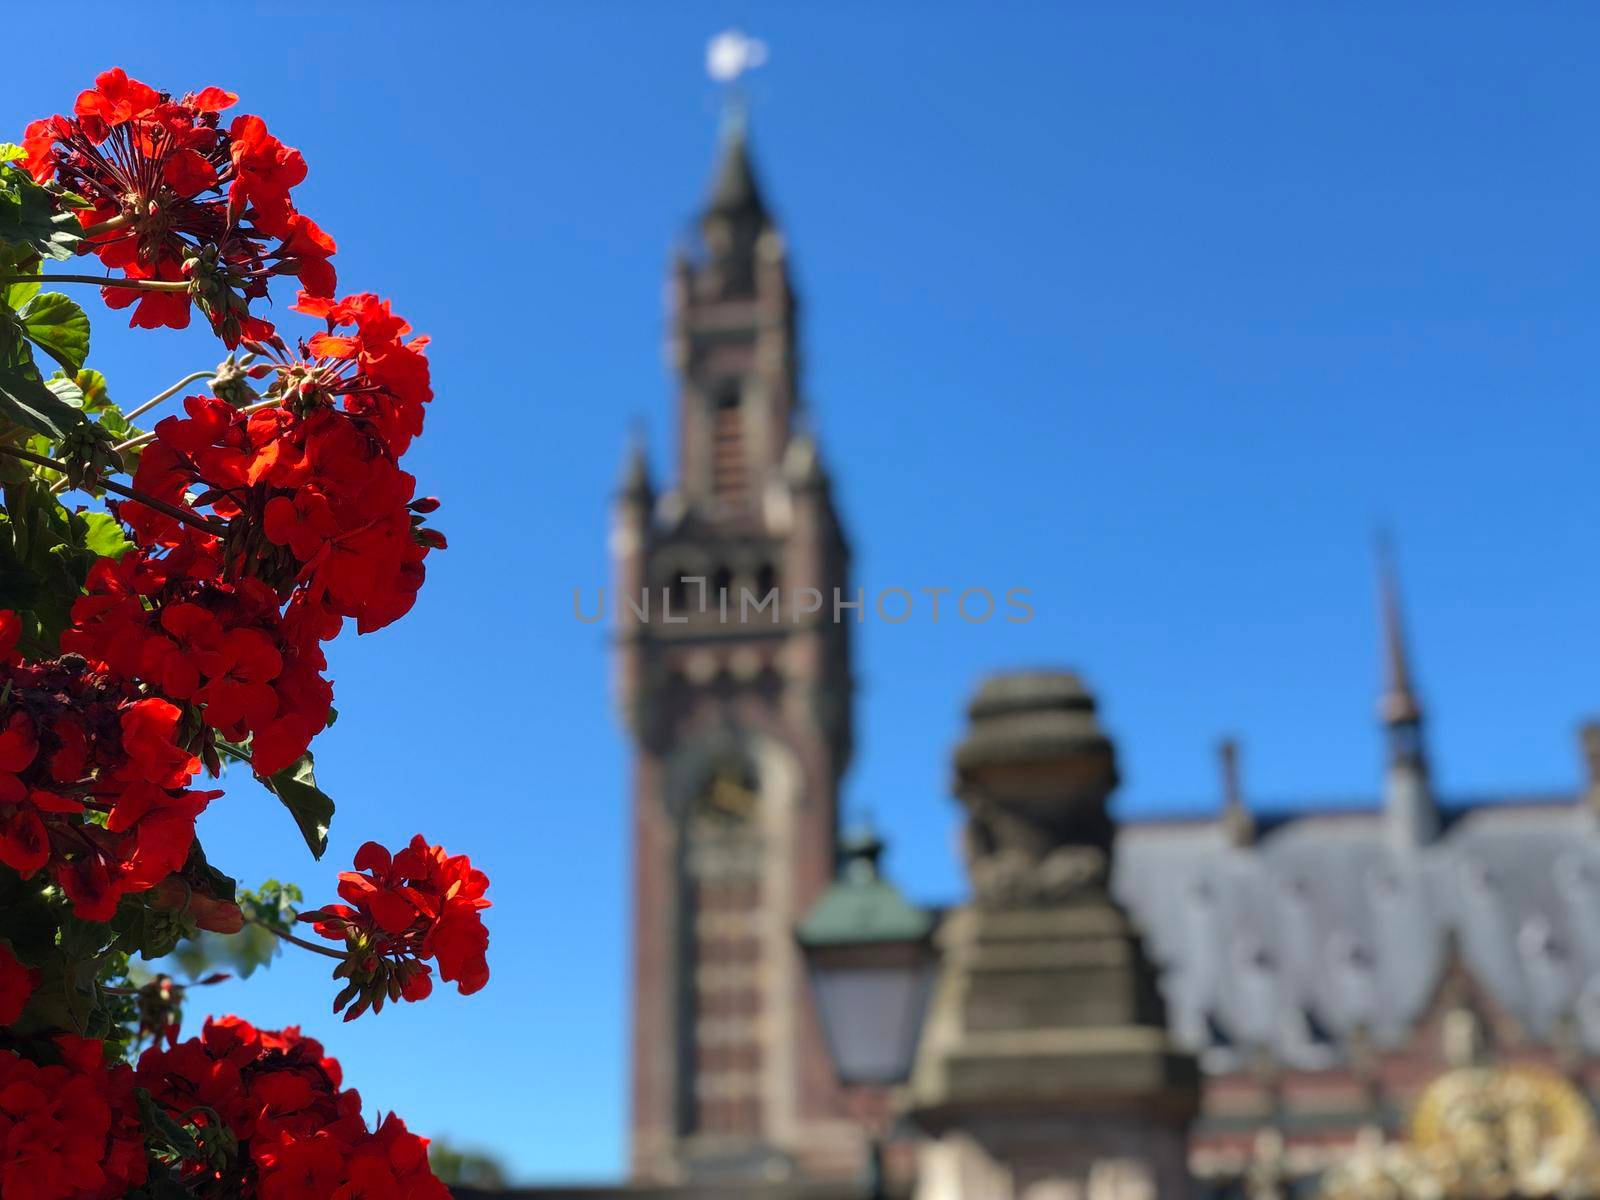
point(1411, 815)
point(635, 483)
point(1237, 822)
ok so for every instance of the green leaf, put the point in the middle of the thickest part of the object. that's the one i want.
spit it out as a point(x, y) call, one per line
point(149, 932)
point(104, 535)
point(15, 295)
point(18, 260)
point(36, 217)
point(26, 401)
point(98, 403)
point(11, 152)
point(207, 878)
point(95, 397)
point(65, 390)
point(158, 1121)
point(58, 326)
point(311, 807)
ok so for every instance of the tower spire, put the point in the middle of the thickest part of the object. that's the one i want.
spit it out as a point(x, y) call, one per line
point(635, 483)
point(733, 188)
point(1398, 706)
point(1408, 802)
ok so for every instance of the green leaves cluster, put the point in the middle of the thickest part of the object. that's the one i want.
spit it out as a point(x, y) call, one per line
point(42, 219)
point(37, 223)
point(272, 906)
point(45, 555)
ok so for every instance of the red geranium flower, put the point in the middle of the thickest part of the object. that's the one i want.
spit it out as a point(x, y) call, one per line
point(149, 736)
point(176, 199)
point(420, 903)
point(69, 1131)
point(240, 672)
point(270, 1108)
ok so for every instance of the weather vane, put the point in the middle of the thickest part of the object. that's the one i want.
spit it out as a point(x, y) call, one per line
point(732, 53)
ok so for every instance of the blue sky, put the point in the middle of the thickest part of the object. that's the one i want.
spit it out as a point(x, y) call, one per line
point(1157, 314)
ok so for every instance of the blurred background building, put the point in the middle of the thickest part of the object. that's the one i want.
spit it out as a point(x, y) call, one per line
point(1400, 998)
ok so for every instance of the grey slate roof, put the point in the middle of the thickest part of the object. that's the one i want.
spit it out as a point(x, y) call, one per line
point(1320, 926)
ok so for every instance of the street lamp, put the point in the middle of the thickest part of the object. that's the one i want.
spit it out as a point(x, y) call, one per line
point(871, 961)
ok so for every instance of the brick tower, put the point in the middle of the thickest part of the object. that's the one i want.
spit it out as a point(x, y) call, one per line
point(740, 716)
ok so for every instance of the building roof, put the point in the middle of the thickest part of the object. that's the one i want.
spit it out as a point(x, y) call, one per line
point(1323, 925)
point(860, 905)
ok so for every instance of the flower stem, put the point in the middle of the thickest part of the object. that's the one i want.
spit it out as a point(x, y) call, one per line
point(109, 226)
point(138, 285)
point(301, 942)
point(144, 439)
point(188, 517)
point(61, 485)
point(171, 391)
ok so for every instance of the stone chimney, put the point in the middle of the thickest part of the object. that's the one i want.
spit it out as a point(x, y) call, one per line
point(1045, 1065)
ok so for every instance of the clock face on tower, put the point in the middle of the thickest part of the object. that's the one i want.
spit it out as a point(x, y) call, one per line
point(730, 796)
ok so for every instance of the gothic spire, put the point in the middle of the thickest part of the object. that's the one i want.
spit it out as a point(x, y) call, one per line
point(1409, 808)
point(1398, 705)
point(635, 482)
point(734, 192)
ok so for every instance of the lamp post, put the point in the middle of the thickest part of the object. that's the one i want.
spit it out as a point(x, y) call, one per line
point(871, 962)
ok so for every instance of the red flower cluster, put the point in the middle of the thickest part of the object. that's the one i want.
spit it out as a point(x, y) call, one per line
point(69, 1130)
point(76, 740)
point(378, 373)
point(225, 648)
point(317, 512)
point(269, 1109)
point(176, 198)
point(311, 486)
point(257, 526)
point(419, 903)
